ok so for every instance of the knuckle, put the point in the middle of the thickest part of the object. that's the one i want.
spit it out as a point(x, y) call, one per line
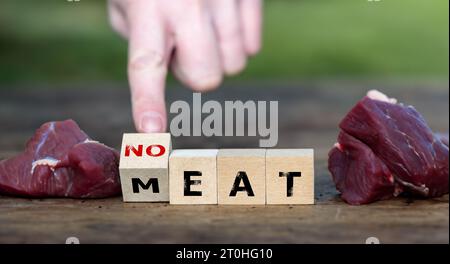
point(236, 67)
point(253, 49)
point(148, 60)
point(207, 83)
point(232, 34)
point(117, 25)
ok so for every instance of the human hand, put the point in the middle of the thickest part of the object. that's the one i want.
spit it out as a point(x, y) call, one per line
point(200, 40)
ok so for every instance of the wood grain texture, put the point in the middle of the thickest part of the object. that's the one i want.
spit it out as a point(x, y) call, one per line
point(241, 168)
point(204, 183)
point(280, 162)
point(309, 114)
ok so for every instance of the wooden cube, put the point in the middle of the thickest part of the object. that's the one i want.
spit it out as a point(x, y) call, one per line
point(241, 176)
point(290, 176)
point(193, 176)
point(144, 167)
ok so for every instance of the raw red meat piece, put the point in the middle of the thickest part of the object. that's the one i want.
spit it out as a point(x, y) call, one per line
point(400, 138)
point(60, 160)
point(351, 157)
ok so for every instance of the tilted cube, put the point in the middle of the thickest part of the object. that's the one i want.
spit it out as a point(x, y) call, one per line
point(144, 167)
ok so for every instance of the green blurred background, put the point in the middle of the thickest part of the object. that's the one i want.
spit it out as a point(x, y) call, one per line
point(54, 41)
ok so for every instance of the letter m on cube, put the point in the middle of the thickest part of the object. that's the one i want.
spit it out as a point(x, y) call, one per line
point(144, 167)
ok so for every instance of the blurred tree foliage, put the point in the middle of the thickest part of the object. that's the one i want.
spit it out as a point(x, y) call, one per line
point(59, 41)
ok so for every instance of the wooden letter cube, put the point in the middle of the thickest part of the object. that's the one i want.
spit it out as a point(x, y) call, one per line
point(193, 176)
point(290, 176)
point(241, 176)
point(144, 167)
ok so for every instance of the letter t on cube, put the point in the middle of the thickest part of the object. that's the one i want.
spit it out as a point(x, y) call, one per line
point(144, 167)
point(290, 176)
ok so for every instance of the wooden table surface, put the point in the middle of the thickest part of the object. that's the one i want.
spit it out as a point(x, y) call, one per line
point(308, 117)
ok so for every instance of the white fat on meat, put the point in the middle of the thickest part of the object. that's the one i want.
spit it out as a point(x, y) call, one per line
point(379, 96)
point(87, 141)
point(52, 162)
point(49, 161)
point(91, 141)
point(339, 146)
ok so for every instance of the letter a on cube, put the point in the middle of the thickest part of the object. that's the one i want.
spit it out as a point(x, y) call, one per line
point(241, 176)
point(193, 176)
point(290, 176)
point(144, 167)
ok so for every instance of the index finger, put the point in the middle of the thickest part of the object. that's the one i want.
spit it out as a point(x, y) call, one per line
point(148, 57)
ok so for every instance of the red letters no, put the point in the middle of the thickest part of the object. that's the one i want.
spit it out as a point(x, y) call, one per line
point(152, 150)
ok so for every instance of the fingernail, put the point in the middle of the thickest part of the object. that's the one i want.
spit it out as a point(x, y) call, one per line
point(151, 122)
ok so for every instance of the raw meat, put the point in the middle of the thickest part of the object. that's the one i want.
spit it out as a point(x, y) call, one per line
point(351, 157)
point(60, 160)
point(399, 138)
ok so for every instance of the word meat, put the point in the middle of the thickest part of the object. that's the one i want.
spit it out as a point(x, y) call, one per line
point(151, 172)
